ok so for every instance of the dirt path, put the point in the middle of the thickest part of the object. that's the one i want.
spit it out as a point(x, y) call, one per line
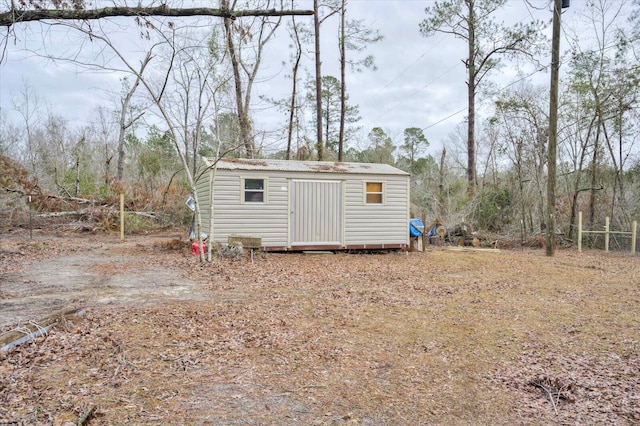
point(88, 274)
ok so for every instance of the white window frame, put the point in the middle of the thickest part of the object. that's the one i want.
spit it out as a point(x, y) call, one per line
point(383, 194)
point(243, 190)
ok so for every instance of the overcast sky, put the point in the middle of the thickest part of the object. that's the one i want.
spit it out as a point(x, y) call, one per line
point(420, 81)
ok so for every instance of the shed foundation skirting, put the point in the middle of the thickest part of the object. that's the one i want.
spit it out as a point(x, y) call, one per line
point(316, 247)
point(376, 247)
point(338, 247)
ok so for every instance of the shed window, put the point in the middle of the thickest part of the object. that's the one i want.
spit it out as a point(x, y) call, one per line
point(254, 190)
point(374, 192)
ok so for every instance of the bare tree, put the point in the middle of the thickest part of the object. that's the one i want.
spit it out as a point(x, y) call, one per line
point(601, 103)
point(297, 56)
point(126, 120)
point(27, 105)
point(166, 55)
point(254, 34)
point(198, 76)
point(10, 136)
point(487, 42)
point(102, 131)
point(521, 124)
point(354, 37)
point(332, 8)
point(77, 18)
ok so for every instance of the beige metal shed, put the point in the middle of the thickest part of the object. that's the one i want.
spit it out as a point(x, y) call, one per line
point(306, 205)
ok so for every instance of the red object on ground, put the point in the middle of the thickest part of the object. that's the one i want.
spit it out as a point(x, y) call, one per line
point(195, 248)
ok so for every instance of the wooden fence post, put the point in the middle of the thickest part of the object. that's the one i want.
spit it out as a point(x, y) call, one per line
point(579, 232)
point(424, 231)
point(121, 216)
point(606, 234)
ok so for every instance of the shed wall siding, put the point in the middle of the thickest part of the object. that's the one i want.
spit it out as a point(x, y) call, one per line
point(375, 223)
point(268, 220)
point(363, 223)
point(202, 191)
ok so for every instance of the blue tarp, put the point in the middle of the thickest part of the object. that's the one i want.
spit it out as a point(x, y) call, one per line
point(415, 227)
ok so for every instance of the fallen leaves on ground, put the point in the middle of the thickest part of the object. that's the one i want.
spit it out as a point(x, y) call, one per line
point(401, 338)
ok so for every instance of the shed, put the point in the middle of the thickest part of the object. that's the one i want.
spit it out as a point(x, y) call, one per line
point(305, 205)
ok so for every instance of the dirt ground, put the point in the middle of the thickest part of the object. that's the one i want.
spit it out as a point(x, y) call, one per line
point(65, 272)
point(441, 337)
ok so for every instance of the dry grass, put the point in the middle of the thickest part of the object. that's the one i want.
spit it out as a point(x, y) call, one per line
point(436, 338)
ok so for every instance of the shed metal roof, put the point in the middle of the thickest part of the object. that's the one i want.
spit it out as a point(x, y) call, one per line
point(306, 166)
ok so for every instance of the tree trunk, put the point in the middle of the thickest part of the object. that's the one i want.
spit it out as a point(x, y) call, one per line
point(619, 170)
point(578, 178)
point(471, 97)
point(243, 120)
point(343, 83)
point(107, 165)
point(77, 186)
point(294, 89)
point(617, 162)
point(594, 172)
point(123, 124)
point(441, 190)
point(327, 106)
point(574, 200)
point(550, 249)
point(121, 136)
point(316, 25)
point(542, 138)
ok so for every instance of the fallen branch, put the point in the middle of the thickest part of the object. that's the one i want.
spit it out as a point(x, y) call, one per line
point(86, 416)
point(54, 197)
point(64, 214)
point(554, 402)
point(459, 248)
point(553, 389)
point(14, 16)
point(151, 215)
point(33, 329)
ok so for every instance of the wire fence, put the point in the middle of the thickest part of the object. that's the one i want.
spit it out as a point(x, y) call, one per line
point(608, 233)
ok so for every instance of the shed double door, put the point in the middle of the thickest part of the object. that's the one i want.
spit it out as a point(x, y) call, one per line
point(316, 213)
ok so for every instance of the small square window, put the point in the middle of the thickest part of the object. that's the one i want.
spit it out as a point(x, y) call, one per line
point(254, 190)
point(374, 193)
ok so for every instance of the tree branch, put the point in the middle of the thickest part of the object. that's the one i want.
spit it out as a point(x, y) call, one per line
point(15, 16)
point(590, 189)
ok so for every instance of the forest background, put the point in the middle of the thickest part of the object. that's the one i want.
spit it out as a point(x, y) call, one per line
point(196, 85)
